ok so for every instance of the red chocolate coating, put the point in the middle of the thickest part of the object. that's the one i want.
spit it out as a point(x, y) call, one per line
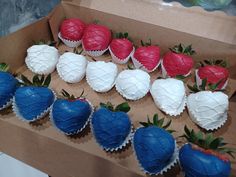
point(148, 56)
point(177, 63)
point(214, 74)
point(72, 29)
point(121, 48)
point(96, 37)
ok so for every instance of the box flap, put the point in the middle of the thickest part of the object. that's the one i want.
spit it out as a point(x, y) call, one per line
point(195, 20)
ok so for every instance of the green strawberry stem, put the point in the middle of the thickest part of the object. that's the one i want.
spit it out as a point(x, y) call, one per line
point(221, 63)
point(4, 67)
point(123, 107)
point(121, 35)
point(75, 50)
point(207, 141)
point(38, 81)
point(71, 97)
point(182, 49)
point(42, 41)
point(204, 86)
point(157, 122)
point(149, 43)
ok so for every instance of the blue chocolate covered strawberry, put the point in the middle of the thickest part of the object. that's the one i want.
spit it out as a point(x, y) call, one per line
point(71, 114)
point(204, 155)
point(155, 147)
point(8, 86)
point(33, 101)
point(111, 126)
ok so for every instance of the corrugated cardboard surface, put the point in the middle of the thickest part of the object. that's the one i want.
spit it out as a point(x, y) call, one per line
point(213, 25)
point(41, 146)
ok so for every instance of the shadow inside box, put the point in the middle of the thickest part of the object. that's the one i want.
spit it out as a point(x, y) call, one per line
point(6, 111)
point(81, 137)
point(41, 124)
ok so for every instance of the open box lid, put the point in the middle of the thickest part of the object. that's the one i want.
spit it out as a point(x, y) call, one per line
point(194, 20)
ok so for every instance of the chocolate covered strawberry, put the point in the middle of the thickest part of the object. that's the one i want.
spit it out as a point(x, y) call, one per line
point(146, 57)
point(204, 155)
point(178, 61)
point(71, 114)
point(96, 39)
point(155, 147)
point(214, 71)
point(207, 108)
point(8, 86)
point(71, 32)
point(121, 48)
point(33, 100)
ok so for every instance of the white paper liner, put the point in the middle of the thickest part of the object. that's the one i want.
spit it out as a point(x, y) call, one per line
point(78, 131)
point(118, 60)
point(164, 72)
point(176, 113)
point(139, 65)
point(7, 104)
point(70, 43)
point(124, 144)
point(194, 119)
point(199, 80)
point(173, 161)
point(94, 53)
point(43, 114)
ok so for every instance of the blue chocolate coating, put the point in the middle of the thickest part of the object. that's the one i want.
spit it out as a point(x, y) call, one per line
point(70, 116)
point(196, 163)
point(154, 148)
point(32, 101)
point(8, 86)
point(110, 128)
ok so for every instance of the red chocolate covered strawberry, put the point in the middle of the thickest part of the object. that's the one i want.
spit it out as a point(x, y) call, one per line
point(147, 57)
point(214, 72)
point(96, 39)
point(71, 32)
point(121, 48)
point(178, 61)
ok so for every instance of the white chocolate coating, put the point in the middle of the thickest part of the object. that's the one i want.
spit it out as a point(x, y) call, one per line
point(72, 67)
point(133, 84)
point(42, 59)
point(208, 109)
point(101, 75)
point(169, 95)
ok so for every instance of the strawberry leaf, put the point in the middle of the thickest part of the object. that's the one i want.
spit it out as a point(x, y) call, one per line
point(26, 80)
point(4, 67)
point(47, 81)
point(155, 119)
point(123, 107)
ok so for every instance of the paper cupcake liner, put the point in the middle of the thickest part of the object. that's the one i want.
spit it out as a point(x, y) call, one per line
point(71, 82)
point(164, 72)
point(139, 65)
point(94, 53)
point(171, 113)
point(118, 60)
point(124, 144)
point(199, 80)
point(69, 43)
point(43, 114)
point(172, 162)
point(78, 131)
point(8, 104)
point(194, 119)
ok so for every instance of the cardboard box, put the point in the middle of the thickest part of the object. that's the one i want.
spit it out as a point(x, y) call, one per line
point(42, 146)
